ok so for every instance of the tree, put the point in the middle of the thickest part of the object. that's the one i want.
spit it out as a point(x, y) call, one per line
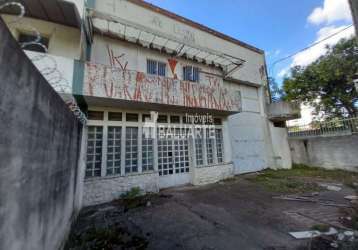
point(327, 84)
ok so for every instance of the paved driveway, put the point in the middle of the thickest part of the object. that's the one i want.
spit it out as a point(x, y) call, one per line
point(230, 215)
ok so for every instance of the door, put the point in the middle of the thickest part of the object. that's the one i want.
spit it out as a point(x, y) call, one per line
point(173, 160)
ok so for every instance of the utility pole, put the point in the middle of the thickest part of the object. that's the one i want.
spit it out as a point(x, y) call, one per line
point(354, 9)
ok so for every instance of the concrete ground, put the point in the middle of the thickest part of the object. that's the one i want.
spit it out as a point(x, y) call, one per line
point(237, 214)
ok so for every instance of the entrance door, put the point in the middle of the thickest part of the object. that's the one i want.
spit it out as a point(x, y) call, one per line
point(173, 161)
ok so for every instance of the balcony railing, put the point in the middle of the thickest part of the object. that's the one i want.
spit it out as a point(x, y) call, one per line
point(337, 127)
point(117, 83)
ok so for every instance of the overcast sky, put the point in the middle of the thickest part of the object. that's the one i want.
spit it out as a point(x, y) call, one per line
point(280, 27)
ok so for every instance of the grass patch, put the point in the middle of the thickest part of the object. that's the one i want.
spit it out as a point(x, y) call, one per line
point(297, 179)
point(323, 228)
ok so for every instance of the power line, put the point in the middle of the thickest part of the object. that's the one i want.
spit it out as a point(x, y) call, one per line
point(308, 47)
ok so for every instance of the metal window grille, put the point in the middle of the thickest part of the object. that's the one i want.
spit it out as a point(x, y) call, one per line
point(156, 68)
point(114, 150)
point(199, 148)
point(219, 144)
point(191, 73)
point(195, 74)
point(94, 151)
point(209, 147)
point(152, 67)
point(161, 68)
point(147, 151)
point(131, 150)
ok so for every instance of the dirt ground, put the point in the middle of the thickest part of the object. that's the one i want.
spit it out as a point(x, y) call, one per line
point(235, 214)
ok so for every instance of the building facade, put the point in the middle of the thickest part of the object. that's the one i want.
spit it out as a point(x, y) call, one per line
point(168, 101)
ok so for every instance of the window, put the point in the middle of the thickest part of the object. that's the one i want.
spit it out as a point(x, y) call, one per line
point(31, 40)
point(94, 151)
point(175, 119)
point(219, 144)
point(209, 146)
point(147, 150)
point(131, 117)
point(162, 119)
point(95, 115)
point(191, 73)
point(114, 116)
point(156, 68)
point(131, 160)
point(199, 148)
point(114, 150)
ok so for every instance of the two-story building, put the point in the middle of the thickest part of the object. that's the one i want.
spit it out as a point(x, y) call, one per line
point(168, 101)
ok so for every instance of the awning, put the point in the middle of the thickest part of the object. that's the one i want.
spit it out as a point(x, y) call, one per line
point(147, 37)
point(57, 11)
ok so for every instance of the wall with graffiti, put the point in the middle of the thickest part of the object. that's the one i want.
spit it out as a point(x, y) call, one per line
point(252, 71)
point(114, 82)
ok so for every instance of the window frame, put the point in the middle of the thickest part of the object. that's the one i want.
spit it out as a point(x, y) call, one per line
point(191, 71)
point(157, 71)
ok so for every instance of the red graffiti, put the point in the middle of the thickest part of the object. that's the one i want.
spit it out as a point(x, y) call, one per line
point(112, 82)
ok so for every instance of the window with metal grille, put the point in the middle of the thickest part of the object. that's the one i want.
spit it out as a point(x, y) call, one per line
point(209, 146)
point(30, 42)
point(147, 150)
point(114, 150)
point(219, 144)
point(156, 68)
point(191, 73)
point(94, 151)
point(199, 148)
point(131, 155)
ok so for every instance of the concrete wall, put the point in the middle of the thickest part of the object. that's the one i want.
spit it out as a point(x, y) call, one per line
point(39, 154)
point(281, 149)
point(105, 189)
point(328, 152)
point(211, 174)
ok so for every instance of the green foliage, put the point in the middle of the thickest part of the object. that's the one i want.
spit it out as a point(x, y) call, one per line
point(329, 79)
point(131, 194)
point(321, 228)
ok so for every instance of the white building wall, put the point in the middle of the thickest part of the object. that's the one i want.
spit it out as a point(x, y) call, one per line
point(161, 23)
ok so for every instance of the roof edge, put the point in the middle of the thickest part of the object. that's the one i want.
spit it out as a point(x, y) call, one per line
point(194, 24)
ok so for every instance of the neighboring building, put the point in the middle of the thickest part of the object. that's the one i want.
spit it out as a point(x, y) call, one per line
point(137, 69)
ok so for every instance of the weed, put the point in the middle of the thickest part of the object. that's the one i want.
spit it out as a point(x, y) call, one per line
point(323, 228)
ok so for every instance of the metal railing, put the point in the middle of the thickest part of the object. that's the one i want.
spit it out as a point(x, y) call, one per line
point(345, 126)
